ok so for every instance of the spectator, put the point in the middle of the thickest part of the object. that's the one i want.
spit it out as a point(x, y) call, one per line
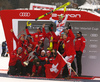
point(79, 47)
point(4, 44)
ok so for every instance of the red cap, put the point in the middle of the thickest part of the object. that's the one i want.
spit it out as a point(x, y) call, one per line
point(48, 51)
point(23, 35)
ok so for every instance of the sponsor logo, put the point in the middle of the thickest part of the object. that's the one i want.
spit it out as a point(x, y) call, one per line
point(94, 35)
point(70, 15)
point(92, 57)
point(93, 51)
point(93, 40)
point(93, 46)
point(24, 14)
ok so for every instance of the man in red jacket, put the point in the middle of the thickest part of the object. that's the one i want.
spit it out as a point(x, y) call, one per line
point(79, 47)
point(53, 41)
point(15, 62)
point(21, 42)
point(69, 53)
point(36, 36)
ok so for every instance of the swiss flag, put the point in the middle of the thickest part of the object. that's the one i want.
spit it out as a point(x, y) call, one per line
point(53, 70)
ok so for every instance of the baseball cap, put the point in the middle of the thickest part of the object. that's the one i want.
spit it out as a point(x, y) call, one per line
point(48, 51)
point(43, 51)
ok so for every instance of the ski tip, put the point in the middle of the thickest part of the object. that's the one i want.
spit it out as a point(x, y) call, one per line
point(36, 19)
point(68, 3)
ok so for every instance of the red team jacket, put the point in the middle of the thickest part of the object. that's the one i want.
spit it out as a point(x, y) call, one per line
point(80, 44)
point(69, 45)
point(13, 58)
point(36, 36)
point(48, 35)
point(19, 43)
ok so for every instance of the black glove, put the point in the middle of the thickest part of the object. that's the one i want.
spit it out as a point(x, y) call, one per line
point(36, 54)
point(80, 52)
point(26, 27)
point(69, 26)
point(51, 25)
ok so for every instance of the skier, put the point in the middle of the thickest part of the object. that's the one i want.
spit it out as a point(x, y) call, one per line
point(60, 24)
point(69, 53)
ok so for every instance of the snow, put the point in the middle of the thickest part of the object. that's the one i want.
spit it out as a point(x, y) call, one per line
point(4, 62)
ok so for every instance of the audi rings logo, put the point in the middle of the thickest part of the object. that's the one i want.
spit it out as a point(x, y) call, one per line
point(24, 14)
point(93, 46)
point(94, 35)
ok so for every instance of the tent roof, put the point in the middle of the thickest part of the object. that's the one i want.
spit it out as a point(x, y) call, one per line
point(86, 5)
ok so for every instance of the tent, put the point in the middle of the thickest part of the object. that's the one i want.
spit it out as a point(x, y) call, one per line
point(86, 5)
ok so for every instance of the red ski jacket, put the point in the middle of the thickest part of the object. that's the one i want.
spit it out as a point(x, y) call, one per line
point(80, 44)
point(69, 45)
point(48, 35)
point(14, 58)
point(19, 43)
point(36, 36)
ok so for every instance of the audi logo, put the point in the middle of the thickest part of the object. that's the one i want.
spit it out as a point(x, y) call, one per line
point(94, 35)
point(24, 14)
point(93, 46)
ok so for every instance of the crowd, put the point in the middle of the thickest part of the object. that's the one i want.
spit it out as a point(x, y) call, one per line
point(29, 57)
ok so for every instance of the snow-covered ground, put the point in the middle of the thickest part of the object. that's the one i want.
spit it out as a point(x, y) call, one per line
point(4, 62)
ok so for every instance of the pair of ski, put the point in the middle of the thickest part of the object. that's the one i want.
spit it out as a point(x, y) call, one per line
point(62, 6)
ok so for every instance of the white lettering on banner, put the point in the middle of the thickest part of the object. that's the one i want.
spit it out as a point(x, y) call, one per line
point(54, 68)
point(96, 29)
point(74, 15)
point(24, 14)
point(93, 46)
point(94, 35)
point(85, 28)
point(92, 57)
point(70, 15)
point(93, 51)
point(93, 40)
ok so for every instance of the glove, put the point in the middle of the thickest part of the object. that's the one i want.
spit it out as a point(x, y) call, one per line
point(36, 54)
point(79, 52)
point(51, 25)
point(69, 26)
point(26, 27)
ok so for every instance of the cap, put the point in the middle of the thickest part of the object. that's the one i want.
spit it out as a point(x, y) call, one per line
point(79, 32)
point(28, 35)
point(62, 33)
point(20, 48)
point(48, 51)
point(43, 51)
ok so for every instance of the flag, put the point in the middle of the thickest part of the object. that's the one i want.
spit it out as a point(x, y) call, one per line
point(53, 70)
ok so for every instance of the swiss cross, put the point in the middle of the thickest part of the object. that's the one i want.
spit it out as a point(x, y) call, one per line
point(54, 68)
